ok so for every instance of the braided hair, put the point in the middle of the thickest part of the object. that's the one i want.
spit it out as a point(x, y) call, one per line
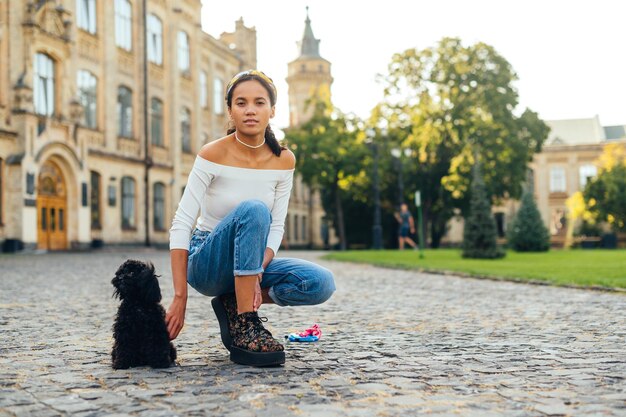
point(270, 138)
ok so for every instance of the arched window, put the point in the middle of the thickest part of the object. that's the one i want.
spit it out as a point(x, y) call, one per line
point(96, 221)
point(44, 86)
point(124, 112)
point(86, 15)
point(155, 39)
point(128, 203)
point(185, 129)
point(159, 206)
point(156, 122)
point(87, 94)
point(183, 52)
point(123, 24)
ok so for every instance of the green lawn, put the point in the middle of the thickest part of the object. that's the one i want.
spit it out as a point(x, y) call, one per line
point(584, 268)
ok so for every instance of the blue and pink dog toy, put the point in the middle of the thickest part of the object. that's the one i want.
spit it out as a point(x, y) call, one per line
point(312, 334)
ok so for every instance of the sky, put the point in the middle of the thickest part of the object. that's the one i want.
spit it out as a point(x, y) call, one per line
point(570, 56)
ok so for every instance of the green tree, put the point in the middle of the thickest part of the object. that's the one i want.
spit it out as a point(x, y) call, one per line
point(445, 103)
point(527, 232)
point(330, 155)
point(605, 196)
point(479, 233)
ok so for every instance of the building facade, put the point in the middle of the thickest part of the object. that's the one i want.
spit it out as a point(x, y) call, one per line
point(309, 74)
point(102, 113)
point(568, 160)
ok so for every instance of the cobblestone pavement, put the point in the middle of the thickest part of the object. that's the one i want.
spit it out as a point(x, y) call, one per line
point(394, 343)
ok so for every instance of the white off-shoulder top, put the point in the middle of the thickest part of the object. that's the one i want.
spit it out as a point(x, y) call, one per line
point(214, 190)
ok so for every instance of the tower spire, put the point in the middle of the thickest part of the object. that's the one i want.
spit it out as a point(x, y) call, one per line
point(309, 46)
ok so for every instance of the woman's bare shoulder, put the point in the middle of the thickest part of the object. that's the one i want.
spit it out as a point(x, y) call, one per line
point(214, 151)
point(287, 160)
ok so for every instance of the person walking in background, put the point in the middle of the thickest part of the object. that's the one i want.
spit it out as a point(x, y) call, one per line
point(406, 225)
point(240, 184)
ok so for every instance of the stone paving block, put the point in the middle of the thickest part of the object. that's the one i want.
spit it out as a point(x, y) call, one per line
point(31, 410)
point(554, 409)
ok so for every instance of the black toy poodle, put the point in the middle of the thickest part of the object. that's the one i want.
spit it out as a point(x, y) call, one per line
point(139, 332)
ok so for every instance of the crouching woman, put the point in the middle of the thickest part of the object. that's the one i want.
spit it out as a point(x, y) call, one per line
point(240, 185)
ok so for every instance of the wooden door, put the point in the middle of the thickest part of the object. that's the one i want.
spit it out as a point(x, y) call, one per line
point(51, 209)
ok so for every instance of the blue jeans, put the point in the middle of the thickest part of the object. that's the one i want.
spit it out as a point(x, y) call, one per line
point(236, 247)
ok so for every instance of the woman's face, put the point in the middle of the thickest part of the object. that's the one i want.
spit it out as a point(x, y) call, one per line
point(251, 109)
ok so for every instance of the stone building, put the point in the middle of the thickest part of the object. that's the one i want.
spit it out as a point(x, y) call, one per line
point(309, 74)
point(98, 133)
point(566, 163)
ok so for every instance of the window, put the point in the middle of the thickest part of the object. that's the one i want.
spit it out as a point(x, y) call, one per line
point(295, 227)
point(96, 221)
point(155, 39)
point(304, 228)
point(156, 122)
point(128, 203)
point(587, 173)
point(123, 24)
point(557, 180)
point(87, 94)
point(183, 52)
point(185, 129)
point(159, 206)
point(218, 96)
point(124, 112)
point(86, 15)
point(43, 91)
point(204, 101)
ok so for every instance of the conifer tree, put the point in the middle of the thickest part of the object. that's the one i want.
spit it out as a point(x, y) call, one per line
point(527, 232)
point(479, 234)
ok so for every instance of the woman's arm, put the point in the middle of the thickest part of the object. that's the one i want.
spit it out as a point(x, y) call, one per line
point(175, 317)
point(281, 203)
point(180, 233)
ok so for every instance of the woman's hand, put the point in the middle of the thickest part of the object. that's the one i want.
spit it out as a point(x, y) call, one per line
point(175, 317)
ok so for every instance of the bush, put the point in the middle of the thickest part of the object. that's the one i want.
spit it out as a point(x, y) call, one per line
point(480, 233)
point(527, 232)
point(587, 229)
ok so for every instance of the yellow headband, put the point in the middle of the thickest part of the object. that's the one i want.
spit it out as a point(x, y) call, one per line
point(250, 72)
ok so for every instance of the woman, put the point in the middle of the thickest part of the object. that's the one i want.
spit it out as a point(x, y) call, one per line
point(241, 185)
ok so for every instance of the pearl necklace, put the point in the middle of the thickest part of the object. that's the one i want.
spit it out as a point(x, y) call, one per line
point(249, 146)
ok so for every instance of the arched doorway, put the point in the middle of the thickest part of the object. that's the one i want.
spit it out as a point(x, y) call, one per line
point(51, 208)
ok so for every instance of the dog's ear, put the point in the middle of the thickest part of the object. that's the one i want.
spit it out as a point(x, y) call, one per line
point(150, 285)
point(118, 283)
